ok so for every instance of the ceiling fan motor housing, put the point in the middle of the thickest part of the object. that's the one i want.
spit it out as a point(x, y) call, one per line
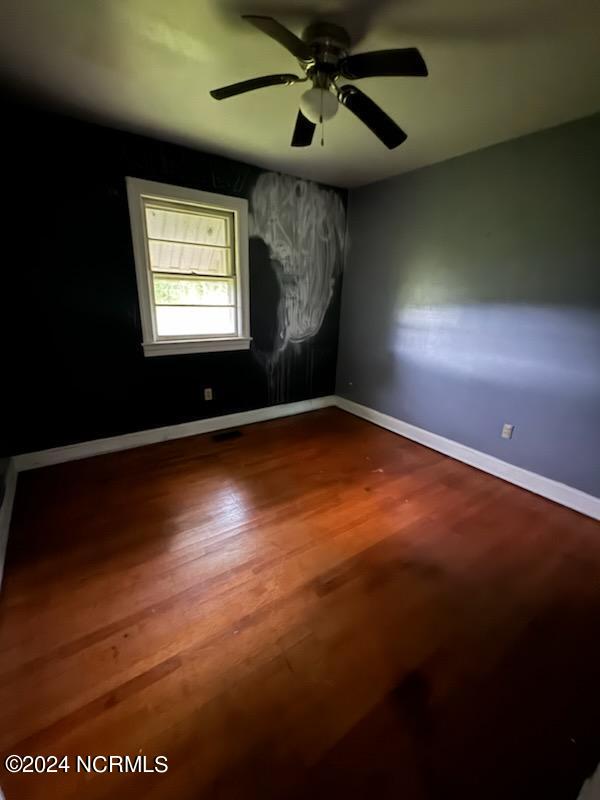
point(329, 43)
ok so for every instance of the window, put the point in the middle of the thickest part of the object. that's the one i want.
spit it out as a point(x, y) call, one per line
point(191, 257)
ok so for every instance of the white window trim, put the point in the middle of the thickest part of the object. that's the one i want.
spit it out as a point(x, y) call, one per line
point(138, 189)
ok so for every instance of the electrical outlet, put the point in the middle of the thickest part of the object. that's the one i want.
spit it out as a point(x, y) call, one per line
point(208, 394)
point(507, 430)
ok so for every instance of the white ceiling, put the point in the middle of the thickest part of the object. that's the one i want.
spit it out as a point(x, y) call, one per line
point(498, 69)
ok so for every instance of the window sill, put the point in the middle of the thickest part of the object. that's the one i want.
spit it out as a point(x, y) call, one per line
point(180, 346)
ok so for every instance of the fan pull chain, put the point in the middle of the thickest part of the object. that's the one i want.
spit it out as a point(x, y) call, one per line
point(322, 123)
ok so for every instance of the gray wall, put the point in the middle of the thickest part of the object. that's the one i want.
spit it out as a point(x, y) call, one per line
point(471, 298)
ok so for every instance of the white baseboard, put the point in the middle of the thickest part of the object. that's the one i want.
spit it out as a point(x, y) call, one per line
point(6, 511)
point(73, 452)
point(591, 788)
point(546, 487)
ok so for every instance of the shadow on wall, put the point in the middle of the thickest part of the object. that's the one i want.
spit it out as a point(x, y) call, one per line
point(298, 230)
point(265, 295)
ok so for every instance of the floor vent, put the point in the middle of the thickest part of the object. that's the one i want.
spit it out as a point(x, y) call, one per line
point(225, 436)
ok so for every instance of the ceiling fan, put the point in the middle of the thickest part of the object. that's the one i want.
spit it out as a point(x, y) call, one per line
point(323, 54)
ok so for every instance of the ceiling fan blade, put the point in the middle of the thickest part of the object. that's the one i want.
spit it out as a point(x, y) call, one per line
point(303, 131)
point(407, 62)
point(252, 84)
point(281, 34)
point(373, 117)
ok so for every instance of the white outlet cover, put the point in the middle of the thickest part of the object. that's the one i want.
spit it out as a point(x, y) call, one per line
point(507, 430)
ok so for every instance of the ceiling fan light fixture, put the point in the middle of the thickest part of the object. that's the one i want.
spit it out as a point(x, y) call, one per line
point(318, 105)
point(323, 55)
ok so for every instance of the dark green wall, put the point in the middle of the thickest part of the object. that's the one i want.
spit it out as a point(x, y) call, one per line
point(73, 355)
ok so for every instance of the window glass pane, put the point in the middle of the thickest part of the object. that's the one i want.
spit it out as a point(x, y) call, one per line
point(183, 226)
point(179, 291)
point(194, 320)
point(190, 258)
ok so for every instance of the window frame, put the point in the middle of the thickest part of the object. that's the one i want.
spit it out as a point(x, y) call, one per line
point(139, 190)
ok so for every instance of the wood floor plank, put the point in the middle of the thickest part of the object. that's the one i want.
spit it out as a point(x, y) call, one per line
point(317, 607)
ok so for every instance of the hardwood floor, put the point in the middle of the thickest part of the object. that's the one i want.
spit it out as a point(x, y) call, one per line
point(317, 608)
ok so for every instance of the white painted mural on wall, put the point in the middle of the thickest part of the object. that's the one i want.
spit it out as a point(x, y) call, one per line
point(303, 225)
